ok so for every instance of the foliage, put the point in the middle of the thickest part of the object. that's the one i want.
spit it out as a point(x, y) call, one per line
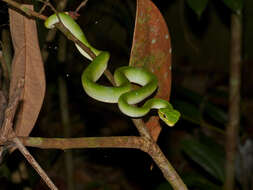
point(206, 156)
point(198, 109)
point(5, 171)
point(234, 5)
point(199, 6)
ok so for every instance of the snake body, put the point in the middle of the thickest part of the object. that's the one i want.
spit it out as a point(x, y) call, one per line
point(122, 93)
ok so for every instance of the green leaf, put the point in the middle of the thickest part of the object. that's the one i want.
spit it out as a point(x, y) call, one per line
point(211, 110)
point(4, 171)
point(217, 149)
point(206, 157)
point(216, 113)
point(198, 6)
point(188, 111)
point(164, 186)
point(234, 5)
point(193, 180)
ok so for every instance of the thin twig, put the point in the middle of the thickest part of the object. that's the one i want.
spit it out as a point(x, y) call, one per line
point(47, 3)
point(51, 33)
point(84, 142)
point(7, 133)
point(141, 127)
point(34, 163)
point(234, 99)
point(67, 32)
point(25, 10)
point(81, 5)
point(142, 143)
point(7, 129)
point(43, 7)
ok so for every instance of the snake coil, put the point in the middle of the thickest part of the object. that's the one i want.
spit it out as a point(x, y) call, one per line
point(123, 76)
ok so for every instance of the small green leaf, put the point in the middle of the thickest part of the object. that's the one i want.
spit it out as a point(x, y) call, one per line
point(198, 6)
point(4, 171)
point(216, 113)
point(164, 186)
point(206, 157)
point(234, 5)
point(188, 111)
point(211, 110)
point(217, 149)
point(193, 180)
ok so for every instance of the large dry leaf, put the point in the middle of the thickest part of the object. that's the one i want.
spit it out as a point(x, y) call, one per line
point(152, 49)
point(27, 64)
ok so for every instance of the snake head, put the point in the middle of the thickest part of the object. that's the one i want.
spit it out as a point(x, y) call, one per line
point(169, 116)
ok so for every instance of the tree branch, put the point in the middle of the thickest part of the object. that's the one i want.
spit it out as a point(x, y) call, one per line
point(6, 131)
point(34, 163)
point(234, 99)
point(142, 143)
point(83, 142)
point(25, 10)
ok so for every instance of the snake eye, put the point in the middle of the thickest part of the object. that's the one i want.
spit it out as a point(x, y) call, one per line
point(164, 116)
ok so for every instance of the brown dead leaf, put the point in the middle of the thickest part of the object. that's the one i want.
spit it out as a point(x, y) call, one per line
point(27, 64)
point(152, 49)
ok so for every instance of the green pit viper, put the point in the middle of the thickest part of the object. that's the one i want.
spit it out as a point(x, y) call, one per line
point(123, 76)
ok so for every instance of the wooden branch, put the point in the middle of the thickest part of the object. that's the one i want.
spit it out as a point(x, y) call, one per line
point(34, 163)
point(6, 131)
point(82, 4)
point(165, 166)
point(25, 10)
point(141, 127)
point(84, 142)
point(234, 99)
point(142, 143)
point(7, 135)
